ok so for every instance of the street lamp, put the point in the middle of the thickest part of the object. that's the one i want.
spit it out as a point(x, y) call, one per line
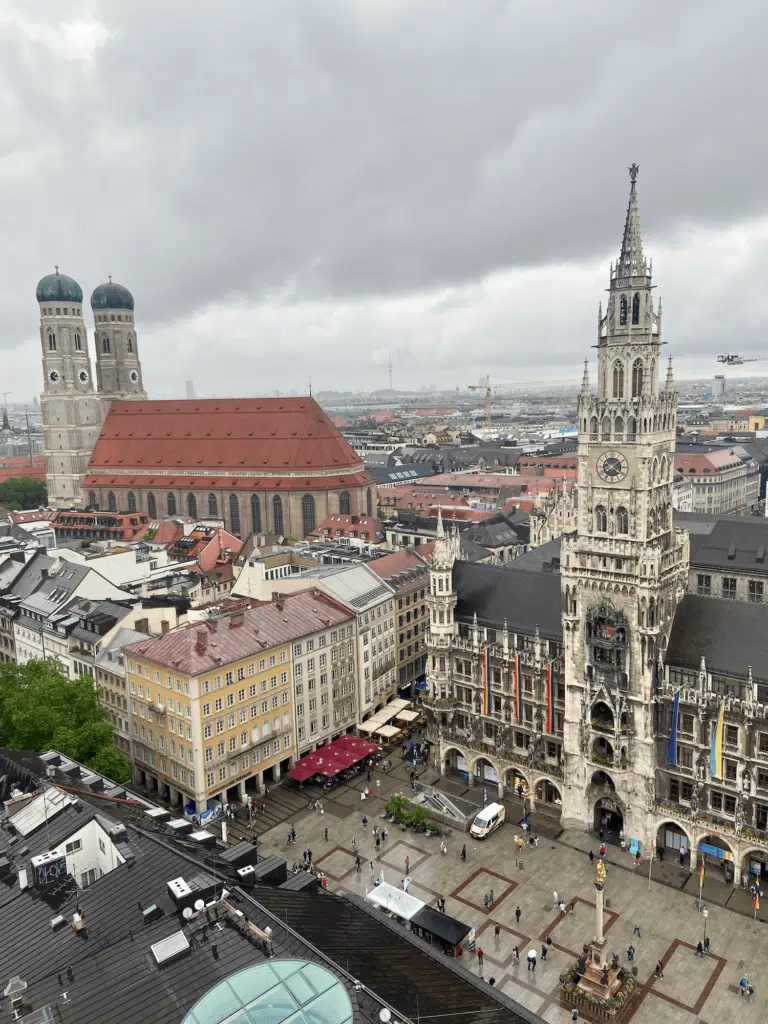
point(705, 915)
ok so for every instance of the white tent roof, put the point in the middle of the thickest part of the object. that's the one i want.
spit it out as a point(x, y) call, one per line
point(395, 900)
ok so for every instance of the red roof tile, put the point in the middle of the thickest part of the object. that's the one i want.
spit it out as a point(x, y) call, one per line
point(226, 435)
point(206, 646)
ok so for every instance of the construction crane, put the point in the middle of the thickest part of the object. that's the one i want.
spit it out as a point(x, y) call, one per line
point(732, 360)
point(513, 382)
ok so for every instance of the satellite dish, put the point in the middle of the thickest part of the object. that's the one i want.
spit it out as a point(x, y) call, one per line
point(187, 913)
point(199, 904)
point(385, 1015)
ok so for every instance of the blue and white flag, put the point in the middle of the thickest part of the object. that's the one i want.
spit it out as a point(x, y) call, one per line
point(672, 750)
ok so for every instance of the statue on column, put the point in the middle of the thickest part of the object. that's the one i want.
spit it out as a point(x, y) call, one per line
point(600, 883)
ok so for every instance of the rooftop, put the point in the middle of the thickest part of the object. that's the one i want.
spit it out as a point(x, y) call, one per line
point(730, 635)
point(497, 594)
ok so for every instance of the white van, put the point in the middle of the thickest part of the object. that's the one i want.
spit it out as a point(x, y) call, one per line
point(487, 820)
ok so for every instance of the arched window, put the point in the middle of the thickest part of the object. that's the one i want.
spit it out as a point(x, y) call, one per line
point(255, 513)
point(344, 505)
point(618, 379)
point(111, 502)
point(92, 499)
point(105, 344)
point(51, 341)
point(593, 426)
point(151, 506)
point(637, 378)
point(171, 504)
point(622, 520)
point(78, 342)
point(623, 310)
point(129, 343)
point(192, 506)
point(368, 502)
point(636, 308)
point(618, 427)
point(131, 501)
point(606, 427)
point(601, 519)
point(234, 514)
point(307, 514)
point(277, 515)
point(213, 505)
point(631, 428)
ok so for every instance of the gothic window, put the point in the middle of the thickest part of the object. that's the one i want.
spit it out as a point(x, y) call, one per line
point(78, 342)
point(637, 378)
point(111, 502)
point(105, 344)
point(593, 425)
point(256, 513)
point(622, 520)
point(618, 380)
point(151, 506)
point(92, 499)
point(344, 505)
point(307, 514)
point(368, 502)
point(618, 427)
point(131, 501)
point(631, 427)
point(277, 515)
point(234, 513)
point(213, 505)
point(192, 506)
point(606, 428)
point(651, 523)
point(129, 343)
point(636, 308)
point(51, 341)
point(601, 519)
point(623, 310)
point(171, 504)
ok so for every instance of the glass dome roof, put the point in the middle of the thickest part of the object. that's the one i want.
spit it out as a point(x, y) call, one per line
point(290, 991)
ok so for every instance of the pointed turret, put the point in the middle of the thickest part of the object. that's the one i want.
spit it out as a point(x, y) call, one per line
point(631, 262)
point(585, 378)
point(443, 556)
point(670, 376)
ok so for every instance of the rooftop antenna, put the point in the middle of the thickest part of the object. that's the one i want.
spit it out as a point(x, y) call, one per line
point(310, 387)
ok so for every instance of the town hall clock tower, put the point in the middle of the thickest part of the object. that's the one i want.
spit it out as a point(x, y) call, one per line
point(624, 568)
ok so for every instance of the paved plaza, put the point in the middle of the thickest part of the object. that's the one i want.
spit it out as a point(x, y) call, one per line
point(693, 990)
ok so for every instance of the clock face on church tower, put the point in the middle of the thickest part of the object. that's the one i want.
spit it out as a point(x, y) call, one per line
point(612, 467)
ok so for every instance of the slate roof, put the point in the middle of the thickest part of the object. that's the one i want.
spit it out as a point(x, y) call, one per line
point(737, 542)
point(496, 592)
point(356, 586)
point(731, 635)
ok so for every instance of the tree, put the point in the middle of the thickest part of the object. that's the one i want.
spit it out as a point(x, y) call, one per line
point(40, 709)
point(23, 492)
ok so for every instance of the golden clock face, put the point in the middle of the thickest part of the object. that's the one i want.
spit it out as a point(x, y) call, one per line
point(612, 467)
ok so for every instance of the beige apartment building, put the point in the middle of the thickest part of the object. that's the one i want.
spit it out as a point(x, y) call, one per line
point(722, 481)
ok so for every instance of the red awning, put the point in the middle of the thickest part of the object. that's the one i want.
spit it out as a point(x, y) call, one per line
point(360, 747)
point(301, 772)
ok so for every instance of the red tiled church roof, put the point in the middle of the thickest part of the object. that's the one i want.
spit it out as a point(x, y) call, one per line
point(230, 436)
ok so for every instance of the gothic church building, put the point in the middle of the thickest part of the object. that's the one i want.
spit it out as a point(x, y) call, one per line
point(560, 686)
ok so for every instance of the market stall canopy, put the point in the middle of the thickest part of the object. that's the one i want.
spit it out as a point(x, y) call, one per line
point(356, 744)
point(370, 726)
point(301, 772)
point(387, 731)
point(397, 705)
point(390, 898)
point(407, 716)
point(442, 926)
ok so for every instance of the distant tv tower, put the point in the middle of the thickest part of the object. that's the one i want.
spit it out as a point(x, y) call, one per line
point(390, 371)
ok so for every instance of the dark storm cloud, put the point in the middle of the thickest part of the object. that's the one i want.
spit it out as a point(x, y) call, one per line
point(329, 150)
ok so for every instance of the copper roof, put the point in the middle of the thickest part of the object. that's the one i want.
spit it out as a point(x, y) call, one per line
point(229, 436)
point(206, 646)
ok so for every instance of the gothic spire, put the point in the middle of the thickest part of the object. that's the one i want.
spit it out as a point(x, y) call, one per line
point(631, 261)
point(585, 378)
point(670, 376)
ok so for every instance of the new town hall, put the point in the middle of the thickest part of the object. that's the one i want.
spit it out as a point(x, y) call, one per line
point(559, 675)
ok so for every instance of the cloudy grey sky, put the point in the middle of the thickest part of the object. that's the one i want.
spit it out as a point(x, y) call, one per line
point(297, 187)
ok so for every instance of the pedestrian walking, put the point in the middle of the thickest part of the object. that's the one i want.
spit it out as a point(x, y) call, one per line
point(536, 841)
point(682, 859)
point(365, 823)
point(309, 856)
point(372, 870)
point(659, 971)
point(357, 864)
point(325, 833)
point(491, 981)
point(480, 955)
point(518, 912)
point(464, 852)
point(407, 864)
point(661, 854)
point(706, 945)
point(636, 930)
point(699, 949)
point(490, 898)
point(543, 953)
point(744, 985)
point(532, 960)
point(602, 833)
point(630, 953)
point(520, 791)
point(378, 843)
point(572, 907)
point(602, 849)
point(561, 907)
point(497, 930)
point(623, 845)
point(443, 848)
point(485, 796)
point(555, 898)
point(591, 857)
point(574, 1014)
point(485, 901)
